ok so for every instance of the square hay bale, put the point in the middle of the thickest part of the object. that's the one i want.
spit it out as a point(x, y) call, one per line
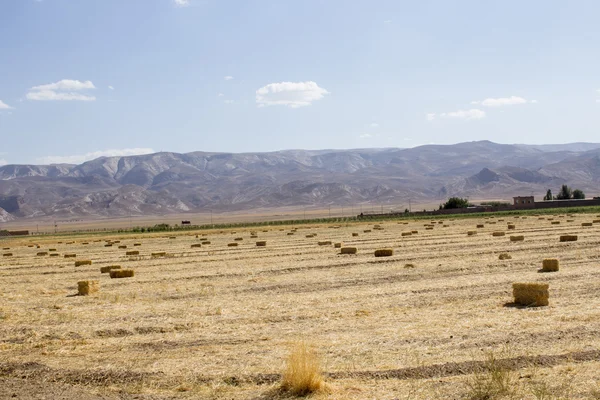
point(132, 253)
point(406, 233)
point(159, 254)
point(42, 253)
point(234, 244)
point(196, 245)
point(108, 268)
point(518, 238)
point(51, 250)
point(137, 244)
point(348, 250)
point(568, 238)
point(586, 224)
point(108, 245)
point(238, 239)
point(206, 242)
point(414, 232)
point(354, 234)
point(6, 248)
point(531, 294)
point(471, 233)
point(367, 231)
point(7, 255)
point(479, 226)
point(253, 236)
point(310, 236)
point(70, 255)
point(261, 243)
point(121, 273)
point(498, 234)
point(555, 223)
point(85, 288)
point(290, 233)
point(596, 221)
point(429, 228)
point(511, 226)
point(338, 245)
point(79, 263)
point(384, 252)
point(325, 243)
point(54, 254)
point(550, 265)
point(122, 247)
point(504, 256)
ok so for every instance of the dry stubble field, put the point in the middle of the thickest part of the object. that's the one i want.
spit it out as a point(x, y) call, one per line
point(218, 322)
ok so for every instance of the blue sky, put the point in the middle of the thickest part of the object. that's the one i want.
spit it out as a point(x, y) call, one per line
point(79, 79)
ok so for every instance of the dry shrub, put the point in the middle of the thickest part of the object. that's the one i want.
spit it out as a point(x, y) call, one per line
point(384, 252)
point(232, 244)
point(338, 245)
point(70, 255)
point(42, 253)
point(83, 262)
point(498, 234)
point(354, 234)
point(325, 243)
point(531, 294)
point(303, 372)
point(518, 238)
point(348, 250)
point(406, 233)
point(85, 288)
point(132, 253)
point(159, 254)
point(121, 273)
point(504, 256)
point(568, 238)
point(108, 268)
point(550, 265)
point(261, 243)
point(495, 381)
point(196, 245)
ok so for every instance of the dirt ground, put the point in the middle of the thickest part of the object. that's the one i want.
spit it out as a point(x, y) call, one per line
point(435, 320)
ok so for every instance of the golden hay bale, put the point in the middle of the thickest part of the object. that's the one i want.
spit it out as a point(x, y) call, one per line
point(196, 245)
point(348, 250)
point(83, 262)
point(54, 254)
point(261, 243)
point(30, 245)
point(206, 242)
point(108, 245)
point(445, 226)
point(71, 255)
point(429, 228)
point(122, 247)
point(51, 249)
point(303, 372)
point(498, 234)
point(253, 236)
point(6, 248)
point(570, 220)
point(504, 256)
point(555, 223)
point(132, 253)
point(480, 226)
point(116, 241)
point(384, 252)
point(137, 244)
point(406, 233)
point(7, 255)
point(531, 294)
point(587, 224)
point(290, 233)
point(367, 231)
point(541, 218)
point(518, 238)
point(42, 253)
point(354, 234)
point(234, 244)
point(159, 254)
point(550, 265)
point(338, 245)
point(596, 221)
point(121, 273)
point(568, 238)
point(172, 237)
point(414, 232)
point(511, 226)
point(238, 239)
point(108, 268)
point(471, 233)
point(85, 288)
point(310, 236)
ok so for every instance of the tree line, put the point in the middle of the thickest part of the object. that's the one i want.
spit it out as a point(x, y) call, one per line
point(565, 193)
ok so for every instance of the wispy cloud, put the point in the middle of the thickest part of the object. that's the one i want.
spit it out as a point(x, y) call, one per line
point(374, 125)
point(366, 136)
point(291, 94)
point(228, 77)
point(66, 90)
point(181, 3)
point(502, 101)
point(81, 158)
point(111, 88)
point(430, 116)
point(220, 95)
point(467, 115)
point(4, 106)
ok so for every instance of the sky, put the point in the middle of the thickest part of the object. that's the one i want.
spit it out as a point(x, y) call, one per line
point(83, 79)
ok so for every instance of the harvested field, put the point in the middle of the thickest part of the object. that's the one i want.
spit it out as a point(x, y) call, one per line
point(218, 322)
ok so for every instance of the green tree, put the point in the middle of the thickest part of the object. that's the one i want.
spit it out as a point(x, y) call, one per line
point(548, 195)
point(456, 202)
point(565, 193)
point(578, 194)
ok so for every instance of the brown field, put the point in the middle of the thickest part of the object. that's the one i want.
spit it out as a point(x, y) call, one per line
point(433, 321)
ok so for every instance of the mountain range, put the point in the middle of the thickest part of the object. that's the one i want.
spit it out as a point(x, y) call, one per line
point(167, 182)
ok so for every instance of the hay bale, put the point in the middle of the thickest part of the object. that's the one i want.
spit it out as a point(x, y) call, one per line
point(108, 245)
point(504, 256)
point(568, 238)
point(234, 244)
point(42, 253)
point(51, 250)
point(261, 243)
point(555, 223)
point(79, 263)
point(206, 242)
point(132, 253)
point(310, 236)
point(479, 226)
point(7, 255)
point(414, 232)
point(596, 221)
point(159, 254)
point(116, 241)
point(6, 248)
point(108, 268)
point(348, 250)
point(511, 226)
point(384, 252)
point(290, 233)
point(54, 254)
point(196, 245)
point(325, 243)
point(122, 247)
point(71, 255)
point(406, 233)
point(85, 288)
point(338, 245)
point(238, 239)
point(498, 234)
point(137, 244)
point(253, 236)
point(429, 228)
point(121, 273)
point(550, 265)
point(172, 237)
point(518, 238)
point(570, 220)
point(586, 224)
point(367, 231)
point(531, 294)
point(471, 233)
point(354, 234)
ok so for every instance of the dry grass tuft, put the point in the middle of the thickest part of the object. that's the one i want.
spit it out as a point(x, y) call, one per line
point(121, 273)
point(83, 262)
point(85, 288)
point(550, 265)
point(531, 294)
point(384, 252)
point(568, 238)
point(348, 250)
point(303, 372)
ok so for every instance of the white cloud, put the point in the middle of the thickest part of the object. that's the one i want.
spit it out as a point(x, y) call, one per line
point(4, 106)
point(501, 101)
point(365, 136)
point(228, 78)
point(467, 115)
point(533, 101)
point(430, 116)
point(291, 94)
point(181, 3)
point(374, 125)
point(78, 159)
point(111, 88)
point(220, 95)
point(65, 89)
point(3, 162)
